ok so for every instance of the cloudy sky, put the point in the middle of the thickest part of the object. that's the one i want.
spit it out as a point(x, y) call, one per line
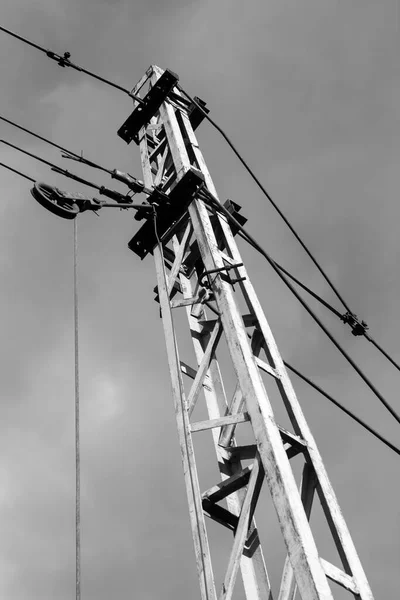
point(310, 92)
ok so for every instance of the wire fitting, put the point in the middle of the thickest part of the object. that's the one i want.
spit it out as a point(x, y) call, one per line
point(357, 327)
point(63, 61)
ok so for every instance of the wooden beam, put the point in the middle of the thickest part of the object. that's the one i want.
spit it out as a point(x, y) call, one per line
point(333, 514)
point(308, 482)
point(203, 368)
point(241, 452)
point(228, 486)
point(298, 537)
point(220, 515)
point(236, 407)
point(253, 569)
point(240, 535)
point(202, 551)
point(267, 368)
point(179, 254)
point(212, 423)
point(339, 576)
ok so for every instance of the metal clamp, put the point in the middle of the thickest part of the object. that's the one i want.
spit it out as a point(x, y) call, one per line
point(357, 327)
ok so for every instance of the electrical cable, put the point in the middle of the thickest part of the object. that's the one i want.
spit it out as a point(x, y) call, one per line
point(267, 195)
point(77, 426)
point(96, 166)
point(382, 351)
point(17, 172)
point(63, 61)
point(183, 407)
point(111, 172)
point(132, 182)
point(299, 283)
point(208, 197)
point(344, 409)
point(276, 207)
point(114, 195)
point(47, 141)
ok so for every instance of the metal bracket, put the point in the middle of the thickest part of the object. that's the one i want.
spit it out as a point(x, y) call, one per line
point(151, 103)
point(206, 284)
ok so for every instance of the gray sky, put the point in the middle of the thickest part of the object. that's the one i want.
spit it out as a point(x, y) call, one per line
point(310, 93)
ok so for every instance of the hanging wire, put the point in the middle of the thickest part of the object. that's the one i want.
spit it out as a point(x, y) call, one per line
point(267, 195)
point(77, 426)
point(209, 198)
point(63, 61)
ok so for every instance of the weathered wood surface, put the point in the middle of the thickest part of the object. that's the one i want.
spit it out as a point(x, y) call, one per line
point(220, 422)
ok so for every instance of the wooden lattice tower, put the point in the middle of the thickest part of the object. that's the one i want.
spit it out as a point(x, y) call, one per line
point(200, 271)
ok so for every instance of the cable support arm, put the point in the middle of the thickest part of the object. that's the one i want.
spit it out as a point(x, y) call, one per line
point(207, 196)
point(63, 61)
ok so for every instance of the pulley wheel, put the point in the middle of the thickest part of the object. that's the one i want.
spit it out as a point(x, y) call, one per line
point(56, 201)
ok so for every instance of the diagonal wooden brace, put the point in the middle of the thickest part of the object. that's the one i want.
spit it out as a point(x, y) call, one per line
point(203, 368)
point(242, 529)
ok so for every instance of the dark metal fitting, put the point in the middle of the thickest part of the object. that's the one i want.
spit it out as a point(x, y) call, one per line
point(114, 195)
point(89, 204)
point(238, 280)
point(357, 327)
point(205, 294)
point(63, 61)
point(134, 184)
point(225, 268)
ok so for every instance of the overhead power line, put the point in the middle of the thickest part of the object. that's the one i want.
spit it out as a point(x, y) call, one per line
point(63, 61)
point(213, 202)
point(114, 195)
point(345, 410)
point(296, 235)
point(118, 175)
point(267, 195)
point(132, 182)
point(382, 351)
point(47, 141)
point(17, 172)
